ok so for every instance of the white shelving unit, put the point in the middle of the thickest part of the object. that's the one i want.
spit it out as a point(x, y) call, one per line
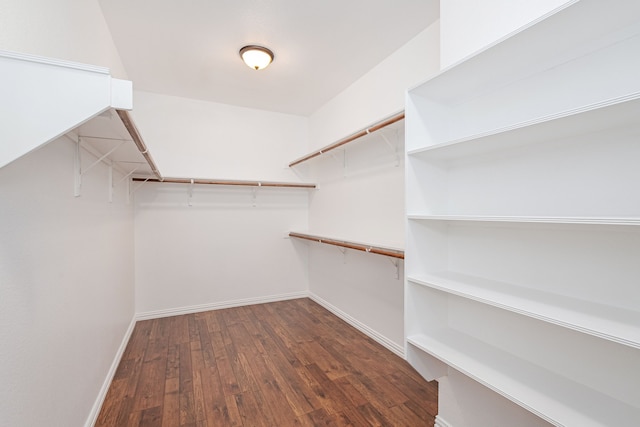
point(523, 217)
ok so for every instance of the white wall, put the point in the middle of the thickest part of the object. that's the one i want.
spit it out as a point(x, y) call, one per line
point(221, 249)
point(74, 30)
point(379, 93)
point(365, 200)
point(66, 287)
point(193, 138)
point(66, 264)
point(468, 26)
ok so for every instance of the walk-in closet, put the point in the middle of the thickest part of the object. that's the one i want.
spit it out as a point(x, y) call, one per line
point(361, 213)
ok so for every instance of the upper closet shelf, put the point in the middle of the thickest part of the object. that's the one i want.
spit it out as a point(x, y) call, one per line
point(349, 244)
point(361, 133)
point(114, 138)
point(227, 182)
point(619, 113)
point(628, 221)
point(73, 99)
point(612, 323)
point(502, 97)
point(555, 38)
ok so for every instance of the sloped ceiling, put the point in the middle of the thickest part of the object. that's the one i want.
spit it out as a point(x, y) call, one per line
point(189, 48)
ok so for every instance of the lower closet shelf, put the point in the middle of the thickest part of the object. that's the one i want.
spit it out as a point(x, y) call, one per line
point(552, 397)
point(612, 323)
point(351, 244)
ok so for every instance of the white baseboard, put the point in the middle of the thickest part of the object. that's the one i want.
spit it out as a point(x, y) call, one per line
point(440, 422)
point(95, 410)
point(379, 338)
point(218, 305)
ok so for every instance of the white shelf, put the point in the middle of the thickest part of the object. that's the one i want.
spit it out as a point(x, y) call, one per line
point(559, 37)
point(612, 323)
point(618, 113)
point(522, 197)
point(619, 221)
point(556, 399)
point(107, 133)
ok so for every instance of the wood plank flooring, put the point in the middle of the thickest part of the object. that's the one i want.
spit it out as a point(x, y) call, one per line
point(289, 363)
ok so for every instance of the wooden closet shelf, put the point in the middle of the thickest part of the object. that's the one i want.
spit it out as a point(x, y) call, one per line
point(128, 123)
point(228, 182)
point(380, 250)
point(366, 131)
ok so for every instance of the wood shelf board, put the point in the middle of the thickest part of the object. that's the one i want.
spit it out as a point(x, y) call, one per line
point(105, 132)
point(108, 130)
point(388, 122)
point(615, 324)
point(615, 221)
point(615, 113)
point(351, 244)
point(560, 36)
point(232, 183)
point(550, 396)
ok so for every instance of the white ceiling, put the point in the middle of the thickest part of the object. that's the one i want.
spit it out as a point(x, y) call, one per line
point(189, 48)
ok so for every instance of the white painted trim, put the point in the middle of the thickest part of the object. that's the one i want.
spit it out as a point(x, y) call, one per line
point(51, 61)
point(218, 305)
point(95, 411)
point(440, 422)
point(55, 62)
point(121, 94)
point(376, 336)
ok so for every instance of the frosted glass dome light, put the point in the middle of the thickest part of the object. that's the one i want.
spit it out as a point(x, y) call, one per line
point(256, 57)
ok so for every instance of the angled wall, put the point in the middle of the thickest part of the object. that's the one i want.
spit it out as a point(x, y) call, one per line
point(66, 264)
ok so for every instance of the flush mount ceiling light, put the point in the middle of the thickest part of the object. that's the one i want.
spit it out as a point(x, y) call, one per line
point(256, 57)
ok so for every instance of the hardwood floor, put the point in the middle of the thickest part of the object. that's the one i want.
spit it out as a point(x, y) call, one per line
point(289, 363)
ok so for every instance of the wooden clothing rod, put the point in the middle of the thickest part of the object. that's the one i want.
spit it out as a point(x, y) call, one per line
point(394, 253)
point(229, 182)
point(137, 139)
point(366, 131)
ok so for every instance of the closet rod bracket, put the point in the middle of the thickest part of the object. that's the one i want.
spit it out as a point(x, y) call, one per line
point(396, 264)
point(190, 193)
point(79, 171)
point(394, 147)
point(133, 189)
point(343, 251)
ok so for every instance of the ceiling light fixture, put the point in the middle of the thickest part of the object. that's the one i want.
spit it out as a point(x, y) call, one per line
point(256, 57)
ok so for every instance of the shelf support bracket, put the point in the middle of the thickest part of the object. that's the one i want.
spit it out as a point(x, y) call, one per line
point(79, 172)
point(110, 183)
point(344, 253)
point(104, 156)
point(113, 184)
point(77, 169)
point(343, 160)
point(190, 193)
point(394, 147)
point(396, 264)
point(133, 189)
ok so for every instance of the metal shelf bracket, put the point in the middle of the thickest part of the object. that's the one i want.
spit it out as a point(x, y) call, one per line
point(124, 178)
point(396, 264)
point(133, 189)
point(79, 171)
point(190, 193)
point(394, 147)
